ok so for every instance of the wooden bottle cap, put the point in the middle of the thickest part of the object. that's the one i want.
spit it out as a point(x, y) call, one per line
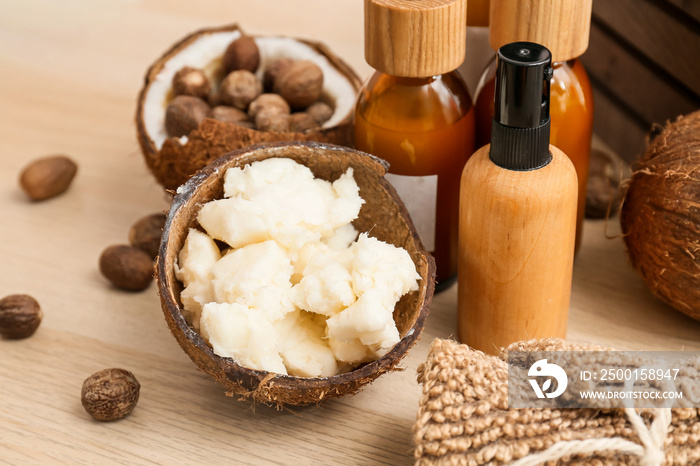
point(478, 13)
point(415, 38)
point(563, 26)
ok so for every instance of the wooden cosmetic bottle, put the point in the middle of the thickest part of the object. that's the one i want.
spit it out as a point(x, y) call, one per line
point(517, 215)
point(563, 26)
point(416, 113)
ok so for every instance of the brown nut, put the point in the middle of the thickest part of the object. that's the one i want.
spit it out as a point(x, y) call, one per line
point(320, 111)
point(272, 121)
point(127, 267)
point(47, 177)
point(191, 81)
point(301, 84)
point(20, 316)
point(184, 114)
point(242, 54)
point(274, 69)
point(239, 88)
point(146, 232)
point(268, 102)
point(301, 121)
point(110, 394)
point(213, 99)
point(228, 114)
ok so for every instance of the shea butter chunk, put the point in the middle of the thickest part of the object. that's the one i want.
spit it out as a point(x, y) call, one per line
point(193, 269)
point(197, 257)
point(370, 313)
point(259, 178)
point(280, 199)
point(302, 347)
point(381, 341)
point(379, 265)
point(353, 351)
point(238, 332)
point(326, 286)
point(239, 222)
point(193, 298)
point(257, 276)
point(347, 204)
point(341, 238)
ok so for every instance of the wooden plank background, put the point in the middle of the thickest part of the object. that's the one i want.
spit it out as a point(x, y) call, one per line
point(644, 63)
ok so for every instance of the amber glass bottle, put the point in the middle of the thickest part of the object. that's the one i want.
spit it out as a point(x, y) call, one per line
point(571, 110)
point(424, 128)
point(416, 113)
point(563, 27)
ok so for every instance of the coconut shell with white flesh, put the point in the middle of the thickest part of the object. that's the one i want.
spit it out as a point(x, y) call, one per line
point(383, 214)
point(173, 160)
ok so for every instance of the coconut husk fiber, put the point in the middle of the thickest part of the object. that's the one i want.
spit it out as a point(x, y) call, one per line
point(463, 416)
point(383, 214)
point(660, 215)
point(175, 162)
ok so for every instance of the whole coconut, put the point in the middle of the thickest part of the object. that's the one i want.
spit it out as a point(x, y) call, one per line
point(660, 215)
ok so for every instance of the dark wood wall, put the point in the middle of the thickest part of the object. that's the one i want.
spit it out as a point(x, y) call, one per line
point(644, 63)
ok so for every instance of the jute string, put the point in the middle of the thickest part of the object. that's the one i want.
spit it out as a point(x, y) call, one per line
point(650, 453)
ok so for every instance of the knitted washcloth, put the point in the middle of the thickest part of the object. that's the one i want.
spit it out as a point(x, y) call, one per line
point(463, 418)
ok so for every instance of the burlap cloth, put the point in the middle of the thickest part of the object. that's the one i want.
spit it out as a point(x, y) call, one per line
point(463, 417)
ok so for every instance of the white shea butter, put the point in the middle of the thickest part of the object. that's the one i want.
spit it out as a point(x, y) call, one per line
point(297, 292)
point(258, 276)
point(379, 265)
point(341, 238)
point(197, 257)
point(325, 286)
point(381, 341)
point(353, 351)
point(303, 347)
point(237, 331)
point(193, 297)
point(279, 199)
point(370, 313)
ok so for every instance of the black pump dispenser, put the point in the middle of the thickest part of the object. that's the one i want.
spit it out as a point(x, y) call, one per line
point(520, 128)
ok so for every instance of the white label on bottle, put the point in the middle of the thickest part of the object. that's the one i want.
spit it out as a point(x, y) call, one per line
point(419, 193)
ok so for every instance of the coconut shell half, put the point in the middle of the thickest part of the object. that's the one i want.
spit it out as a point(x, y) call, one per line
point(383, 214)
point(173, 160)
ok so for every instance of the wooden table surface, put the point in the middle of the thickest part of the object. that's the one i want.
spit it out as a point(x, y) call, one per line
point(69, 74)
